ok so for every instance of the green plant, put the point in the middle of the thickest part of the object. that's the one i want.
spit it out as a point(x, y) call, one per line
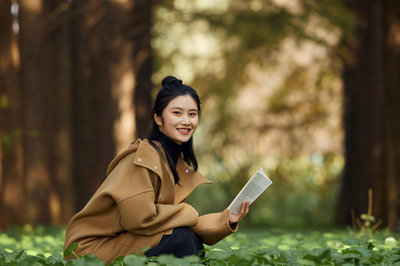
point(366, 224)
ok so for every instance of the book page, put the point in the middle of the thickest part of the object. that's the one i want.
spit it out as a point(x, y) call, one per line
point(257, 184)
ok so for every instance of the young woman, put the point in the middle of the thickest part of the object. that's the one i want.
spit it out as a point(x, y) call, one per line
point(142, 201)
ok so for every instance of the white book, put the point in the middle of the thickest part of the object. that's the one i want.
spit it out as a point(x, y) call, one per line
point(257, 184)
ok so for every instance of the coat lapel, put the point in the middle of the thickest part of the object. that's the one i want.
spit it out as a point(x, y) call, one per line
point(189, 179)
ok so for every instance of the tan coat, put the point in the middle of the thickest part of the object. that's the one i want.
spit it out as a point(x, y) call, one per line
point(138, 203)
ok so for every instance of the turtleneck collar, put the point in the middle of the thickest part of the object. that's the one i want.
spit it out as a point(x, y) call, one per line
point(171, 148)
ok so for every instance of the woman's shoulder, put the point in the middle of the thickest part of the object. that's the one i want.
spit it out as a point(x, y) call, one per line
point(139, 151)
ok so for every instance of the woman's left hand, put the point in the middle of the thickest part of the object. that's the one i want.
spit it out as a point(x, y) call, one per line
point(244, 210)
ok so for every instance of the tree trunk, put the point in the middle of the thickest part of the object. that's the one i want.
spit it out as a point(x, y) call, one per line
point(35, 116)
point(140, 36)
point(47, 104)
point(111, 81)
point(369, 122)
point(11, 170)
point(85, 95)
point(392, 110)
point(93, 144)
point(58, 76)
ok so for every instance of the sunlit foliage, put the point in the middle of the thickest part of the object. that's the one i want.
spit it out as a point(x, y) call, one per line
point(268, 73)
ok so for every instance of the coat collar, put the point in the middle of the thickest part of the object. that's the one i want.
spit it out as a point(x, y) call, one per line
point(133, 147)
point(189, 179)
point(147, 156)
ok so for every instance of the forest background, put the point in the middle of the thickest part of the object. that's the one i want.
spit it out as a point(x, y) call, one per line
point(308, 90)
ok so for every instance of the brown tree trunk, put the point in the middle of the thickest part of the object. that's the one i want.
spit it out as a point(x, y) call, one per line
point(392, 110)
point(36, 128)
point(139, 35)
point(369, 119)
point(112, 85)
point(47, 104)
point(85, 94)
point(58, 77)
point(11, 170)
point(93, 144)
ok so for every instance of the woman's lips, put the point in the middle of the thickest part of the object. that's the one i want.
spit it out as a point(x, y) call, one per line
point(184, 131)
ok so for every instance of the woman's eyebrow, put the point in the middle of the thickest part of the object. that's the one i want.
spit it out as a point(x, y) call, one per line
point(180, 108)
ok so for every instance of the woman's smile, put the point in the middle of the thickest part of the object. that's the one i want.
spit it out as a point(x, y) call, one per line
point(184, 131)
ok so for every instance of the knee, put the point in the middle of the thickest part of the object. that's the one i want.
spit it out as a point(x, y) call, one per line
point(185, 233)
point(187, 236)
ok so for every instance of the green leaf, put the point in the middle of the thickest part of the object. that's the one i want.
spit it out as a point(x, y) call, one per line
point(168, 260)
point(310, 257)
point(19, 254)
point(71, 248)
point(370, 246)
point(352, 242)
point(134, 260)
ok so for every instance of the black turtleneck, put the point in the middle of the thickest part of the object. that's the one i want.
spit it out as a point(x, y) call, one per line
point(171, 148)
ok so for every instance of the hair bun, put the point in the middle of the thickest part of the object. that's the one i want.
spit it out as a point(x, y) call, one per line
point(171, 80)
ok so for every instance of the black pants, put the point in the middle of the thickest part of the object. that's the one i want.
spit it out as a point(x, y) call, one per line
point(182, 242)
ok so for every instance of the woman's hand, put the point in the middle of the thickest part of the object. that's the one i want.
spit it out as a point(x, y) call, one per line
point(244, 210)
point(197, 214)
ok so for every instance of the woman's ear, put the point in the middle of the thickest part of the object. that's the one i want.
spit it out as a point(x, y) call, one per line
point(158, 120)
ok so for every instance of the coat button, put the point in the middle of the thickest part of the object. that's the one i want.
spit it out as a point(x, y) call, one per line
point(187, 170)
point(139, 160)
point(156, 167)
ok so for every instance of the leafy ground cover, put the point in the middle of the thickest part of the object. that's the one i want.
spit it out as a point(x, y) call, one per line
point(43, 246)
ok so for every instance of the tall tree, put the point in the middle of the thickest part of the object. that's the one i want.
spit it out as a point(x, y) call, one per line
point(112, 85)
point(11, 176)
point(85, 79)
point(372, 100)
point(57, 82)
point(37, 93)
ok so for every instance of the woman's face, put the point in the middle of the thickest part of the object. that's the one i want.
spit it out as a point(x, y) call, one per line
point(179, 119)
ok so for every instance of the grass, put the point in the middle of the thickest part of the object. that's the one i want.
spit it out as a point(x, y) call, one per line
point(43, 246)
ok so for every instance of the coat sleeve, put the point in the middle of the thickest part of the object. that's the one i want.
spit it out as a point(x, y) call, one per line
point(138, 210)
point(140, 215)
point(214, 227)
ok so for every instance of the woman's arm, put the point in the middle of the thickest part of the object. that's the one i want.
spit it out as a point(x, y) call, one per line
point(140, 215)
point(137, 205)
point(215, 226)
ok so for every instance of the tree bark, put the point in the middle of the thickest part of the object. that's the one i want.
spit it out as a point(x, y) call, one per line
point(111, 81)
point(11, 170)
point(369, 122)
point(58, 75)
point(85, 72)
point(93, 143)
point(392, 110)
point(140, 23)
point(46, 103)
point(35, 116)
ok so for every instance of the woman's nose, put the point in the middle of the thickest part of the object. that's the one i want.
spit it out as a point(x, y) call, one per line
point(185, 120)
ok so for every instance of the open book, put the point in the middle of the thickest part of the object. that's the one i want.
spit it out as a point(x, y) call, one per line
point(257, 184)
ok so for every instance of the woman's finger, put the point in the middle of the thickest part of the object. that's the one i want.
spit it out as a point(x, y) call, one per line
point(246, 211)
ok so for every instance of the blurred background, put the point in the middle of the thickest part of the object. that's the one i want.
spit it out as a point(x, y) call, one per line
point(308, 90)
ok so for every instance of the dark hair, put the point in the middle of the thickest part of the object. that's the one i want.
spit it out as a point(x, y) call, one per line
point(172, 88)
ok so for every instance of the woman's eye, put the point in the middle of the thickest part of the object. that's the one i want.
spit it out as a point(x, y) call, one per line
point(193, 114)
point(177, 112)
